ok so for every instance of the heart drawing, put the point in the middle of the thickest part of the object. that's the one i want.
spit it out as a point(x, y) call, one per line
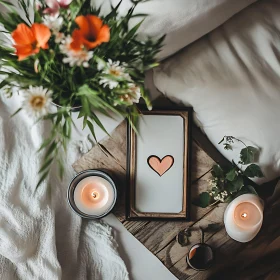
point(160, 166)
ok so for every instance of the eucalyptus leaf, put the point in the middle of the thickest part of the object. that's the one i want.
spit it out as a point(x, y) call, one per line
point(253, 170)
point(248, 154)
point(231, 175)
point(203, 200)
point(235, 185)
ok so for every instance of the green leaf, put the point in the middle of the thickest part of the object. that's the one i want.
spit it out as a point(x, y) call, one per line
point(45, 143)
point(235, 185)
point(203, 200)
point(42, 178)
point(98, 122)
point(60, 169)
point(252, 171)
point(84, 122)
point(217, 171)
point(45, 165)
point(133, 30)
point(247, 155)
point(51, 148)
point(3, 83)
point(17, 111)
point(91, 128)
point(231, 175)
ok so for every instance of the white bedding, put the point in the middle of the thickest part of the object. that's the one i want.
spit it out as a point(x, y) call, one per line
point(232, 79)
point(182, 21)
point(40, 237)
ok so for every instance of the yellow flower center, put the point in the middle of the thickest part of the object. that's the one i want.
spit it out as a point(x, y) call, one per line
point(115, 72)
point(37, 102)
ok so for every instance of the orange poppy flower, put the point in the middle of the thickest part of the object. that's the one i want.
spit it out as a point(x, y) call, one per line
point(91, 34)
point(28, 40)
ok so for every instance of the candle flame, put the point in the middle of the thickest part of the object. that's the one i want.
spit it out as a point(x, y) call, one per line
point(244, 215)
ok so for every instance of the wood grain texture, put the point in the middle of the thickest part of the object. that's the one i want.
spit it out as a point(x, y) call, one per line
point(258, 259)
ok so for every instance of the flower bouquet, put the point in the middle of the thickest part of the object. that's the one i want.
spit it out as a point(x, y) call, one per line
point(72, 56)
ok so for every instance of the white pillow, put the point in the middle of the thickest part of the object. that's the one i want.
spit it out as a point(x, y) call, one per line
point(183, 21)
point(232, 79)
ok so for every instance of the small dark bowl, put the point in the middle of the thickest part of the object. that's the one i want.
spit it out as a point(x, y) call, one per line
point(80, 176)
point(204, 258)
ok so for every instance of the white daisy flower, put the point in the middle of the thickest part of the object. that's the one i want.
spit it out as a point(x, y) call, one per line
point(132, 96)
point(114, 69)
point(74, 58)
point(134, 92)
point(53, 23)
point(37, 101)
point(108, 82)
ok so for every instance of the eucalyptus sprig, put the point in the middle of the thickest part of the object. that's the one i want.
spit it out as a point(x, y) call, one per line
point(228, 183)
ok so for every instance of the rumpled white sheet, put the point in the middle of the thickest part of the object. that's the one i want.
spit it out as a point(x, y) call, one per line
point(40, 237)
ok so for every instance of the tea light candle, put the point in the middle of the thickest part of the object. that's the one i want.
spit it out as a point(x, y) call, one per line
point(92, 194)
point(243, 217)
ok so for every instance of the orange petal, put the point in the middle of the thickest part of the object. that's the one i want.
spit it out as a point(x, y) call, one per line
point(42, 34)
point(77, 38)
point(95, 24)
point(23, 35)
point(23, 51)
point(83, 23)
point(104, 34)
point(90, 45)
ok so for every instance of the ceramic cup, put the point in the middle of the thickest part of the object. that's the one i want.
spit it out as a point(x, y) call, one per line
point(201, 255)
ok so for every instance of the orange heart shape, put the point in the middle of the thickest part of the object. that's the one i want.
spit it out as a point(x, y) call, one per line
point(160, 166)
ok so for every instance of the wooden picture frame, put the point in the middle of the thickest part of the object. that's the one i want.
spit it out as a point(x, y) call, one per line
point(132, 213)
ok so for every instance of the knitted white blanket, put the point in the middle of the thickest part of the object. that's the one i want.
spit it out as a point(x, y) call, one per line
point(40, 237)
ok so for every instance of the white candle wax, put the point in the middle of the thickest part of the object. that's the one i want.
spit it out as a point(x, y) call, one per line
point(94, 195)
point(243, 217)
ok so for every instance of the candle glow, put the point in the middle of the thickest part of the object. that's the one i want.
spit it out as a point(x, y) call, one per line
point(94, 195)
point(243, 217)
point(246, 215)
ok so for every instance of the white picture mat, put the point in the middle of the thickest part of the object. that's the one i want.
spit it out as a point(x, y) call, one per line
point(160, 135)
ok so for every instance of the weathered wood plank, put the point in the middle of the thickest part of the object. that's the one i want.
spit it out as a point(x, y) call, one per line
point(135, 226)
point(115, 166)
point(157, 235)
point(177, 256)
point(201, 162)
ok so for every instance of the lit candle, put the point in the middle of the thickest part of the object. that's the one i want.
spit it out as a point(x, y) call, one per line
point(243, 217)
point(92, 195)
